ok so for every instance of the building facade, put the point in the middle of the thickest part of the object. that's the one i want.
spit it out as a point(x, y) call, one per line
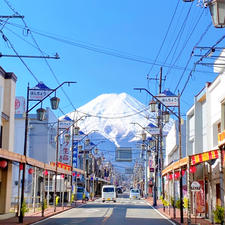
point(7, 109)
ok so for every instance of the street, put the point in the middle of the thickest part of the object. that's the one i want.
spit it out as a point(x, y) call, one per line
point(123, 212)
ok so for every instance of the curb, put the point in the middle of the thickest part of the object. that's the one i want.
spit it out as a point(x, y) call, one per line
point(163, 214)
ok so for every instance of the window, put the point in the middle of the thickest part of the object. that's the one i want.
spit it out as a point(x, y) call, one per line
point(1, 136)
point(108, 189)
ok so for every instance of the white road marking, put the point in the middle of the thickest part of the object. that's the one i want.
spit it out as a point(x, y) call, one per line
point(162, 215)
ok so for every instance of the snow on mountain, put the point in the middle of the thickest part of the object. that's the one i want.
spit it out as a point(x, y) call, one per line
point(112, 115)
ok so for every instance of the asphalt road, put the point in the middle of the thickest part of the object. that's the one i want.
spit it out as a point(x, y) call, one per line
point(123, 212)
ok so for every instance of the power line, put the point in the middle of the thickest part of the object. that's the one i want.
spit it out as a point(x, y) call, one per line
point(103, 51)
point(179, 35)
point(12, 47)
point(194, 67)
point(171, 21)
point(182, 51)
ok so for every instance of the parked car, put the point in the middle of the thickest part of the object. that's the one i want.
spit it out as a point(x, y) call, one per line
point(119, 190)
point(135, 194)
point(80, 192)
point(108, 193)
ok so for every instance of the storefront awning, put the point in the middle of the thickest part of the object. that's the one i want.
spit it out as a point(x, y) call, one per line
point(16, 157)
point(194, 160)
point(174, 166)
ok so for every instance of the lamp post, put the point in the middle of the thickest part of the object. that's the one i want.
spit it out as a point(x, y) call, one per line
point(157, 100)
point(40, 113)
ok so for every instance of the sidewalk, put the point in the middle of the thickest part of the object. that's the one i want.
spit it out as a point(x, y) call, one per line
point(32, 217)
point(169, 214)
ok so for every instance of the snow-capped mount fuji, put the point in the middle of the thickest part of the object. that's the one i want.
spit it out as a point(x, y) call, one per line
point(113, 116)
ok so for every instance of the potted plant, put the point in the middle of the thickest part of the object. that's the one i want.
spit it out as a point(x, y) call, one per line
point(185, 203)
point(24, 208)
point(178, 203)
point(219, 215)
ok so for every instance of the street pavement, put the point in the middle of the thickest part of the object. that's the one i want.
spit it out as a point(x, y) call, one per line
point(123, 212)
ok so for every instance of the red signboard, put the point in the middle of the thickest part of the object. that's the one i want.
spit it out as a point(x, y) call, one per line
point(200, 198)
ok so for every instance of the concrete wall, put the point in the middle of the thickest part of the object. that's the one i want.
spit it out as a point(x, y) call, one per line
point(172, 143)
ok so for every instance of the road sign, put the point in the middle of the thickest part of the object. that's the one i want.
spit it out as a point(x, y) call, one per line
point(153, 130)
point(170, 101)
point(124, 154)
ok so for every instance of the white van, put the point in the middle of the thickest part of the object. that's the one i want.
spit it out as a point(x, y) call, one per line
point(108, 193)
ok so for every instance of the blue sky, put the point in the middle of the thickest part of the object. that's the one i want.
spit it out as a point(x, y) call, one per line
point(133, 29)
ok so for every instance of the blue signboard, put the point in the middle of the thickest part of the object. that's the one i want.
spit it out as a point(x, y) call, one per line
point(75, 150)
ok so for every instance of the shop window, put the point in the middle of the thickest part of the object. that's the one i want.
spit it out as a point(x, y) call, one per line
point(1, 136)
point(216, 131)
point(223, 116)
point(218, 201)
point(219, 128)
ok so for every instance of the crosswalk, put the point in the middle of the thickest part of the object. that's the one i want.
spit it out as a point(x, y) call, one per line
point(122, 201)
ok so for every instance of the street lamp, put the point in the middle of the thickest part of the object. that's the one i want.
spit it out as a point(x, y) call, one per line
point(180, 152)
point(41, 113)
point(153, 105)
point(217, 10)
point(166, 116)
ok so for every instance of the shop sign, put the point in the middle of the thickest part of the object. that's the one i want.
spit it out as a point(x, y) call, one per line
point(203, 157)
point(154, 130)
point(221, 138)
point(20, 105)
point(65, 124)
point(170, 101)
point(65, 150)
point(198, 196)
point(195, 186)
point(39, 92)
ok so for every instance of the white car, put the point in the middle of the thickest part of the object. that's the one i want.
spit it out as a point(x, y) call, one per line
point(108, 193)
point(135, 194)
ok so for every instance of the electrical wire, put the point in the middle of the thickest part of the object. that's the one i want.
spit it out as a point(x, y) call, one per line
point(167, 32)
point(194, 67)
point(102, 51)
point(12, 47)
point(185, 43)
point(190, 57)
point(176, 41)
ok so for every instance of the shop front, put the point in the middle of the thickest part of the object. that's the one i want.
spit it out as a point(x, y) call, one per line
point(201, 170)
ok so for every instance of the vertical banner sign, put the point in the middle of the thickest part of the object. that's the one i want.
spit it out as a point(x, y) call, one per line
point(200, 198)
point(20, 104)
point(75, 150)
point(1, 105)
point(65, 149)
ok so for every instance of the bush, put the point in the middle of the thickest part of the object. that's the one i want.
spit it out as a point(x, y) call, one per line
point(185, 204)
point(178, 203)
point(24, 208)
point(172, 201)
point(45, 204)
point(72, 198)
point(164, 202)
point(219, 214)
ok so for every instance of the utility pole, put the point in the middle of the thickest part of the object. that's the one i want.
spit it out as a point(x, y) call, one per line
point(158, 148)
point(56, 165)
